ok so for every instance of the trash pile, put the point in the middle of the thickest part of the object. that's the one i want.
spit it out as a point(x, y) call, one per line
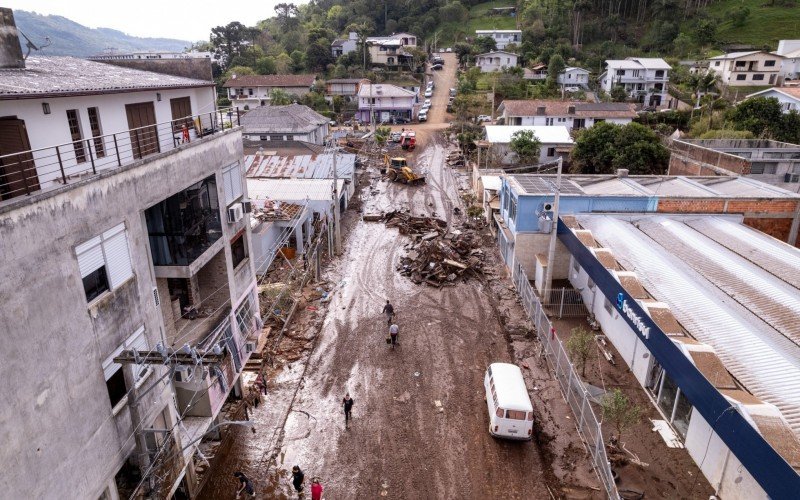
point(436, 256)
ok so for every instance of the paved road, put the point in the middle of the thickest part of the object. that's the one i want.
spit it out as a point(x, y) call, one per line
point(399, 444)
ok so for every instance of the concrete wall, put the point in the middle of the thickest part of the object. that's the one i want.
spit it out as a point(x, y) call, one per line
point(528, 245)
point(55, 343)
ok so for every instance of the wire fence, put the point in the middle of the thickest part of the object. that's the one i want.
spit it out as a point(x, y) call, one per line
point(564, 303)
point(572, 387)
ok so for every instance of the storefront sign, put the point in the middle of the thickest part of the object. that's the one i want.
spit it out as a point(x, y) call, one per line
point(622, 304)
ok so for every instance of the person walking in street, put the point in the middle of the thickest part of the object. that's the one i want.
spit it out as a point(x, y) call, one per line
point(347, 403)
point(388, 310)
point(393, 331)
point(316, 489)
point(297, 480)
point(244, 485)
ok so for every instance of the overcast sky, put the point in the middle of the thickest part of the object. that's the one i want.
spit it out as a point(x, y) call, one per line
point(185, 20)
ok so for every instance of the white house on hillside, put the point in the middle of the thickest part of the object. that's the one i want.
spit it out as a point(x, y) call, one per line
point(495, 61)
point(340, 47)
point(643, 78)
point(251, 91)
point(790, 51)
point(789, 97)
point(746, 69)
point(573, 115)
point(390, 51)
point(502, 37)
point(572, 76)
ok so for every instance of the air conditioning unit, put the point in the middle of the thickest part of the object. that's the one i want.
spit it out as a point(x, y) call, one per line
point(249, 347)
point(235, 214)
point(247, 207)
point(156, 298)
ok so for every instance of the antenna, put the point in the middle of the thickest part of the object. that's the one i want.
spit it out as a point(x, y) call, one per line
point(30, 45)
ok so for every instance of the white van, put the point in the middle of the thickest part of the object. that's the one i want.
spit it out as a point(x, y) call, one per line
point(510, 409)
point(423, 115)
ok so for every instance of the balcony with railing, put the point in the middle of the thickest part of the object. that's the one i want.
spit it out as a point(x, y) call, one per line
point(26, 173)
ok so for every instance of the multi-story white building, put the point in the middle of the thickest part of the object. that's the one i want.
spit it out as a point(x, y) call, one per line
point(124, 239)
point(746, 69)
point(789, 50)
point(573, 77)
point(495, 61)
point(342, 46)
point(573, 115)
point(250, 91)
point(644, 79)
point(391, 51)
point(502, 37)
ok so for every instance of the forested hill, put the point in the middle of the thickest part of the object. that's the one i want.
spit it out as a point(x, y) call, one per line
point(72, 39)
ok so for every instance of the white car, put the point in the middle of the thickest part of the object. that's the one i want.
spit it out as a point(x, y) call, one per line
point(423, 115)
point(395, 136)
point(427, 103)
point(429, 92)
point(483, 118)
point(572, 89)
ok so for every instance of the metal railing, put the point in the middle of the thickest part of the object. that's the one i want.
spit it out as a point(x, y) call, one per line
point(564, 303)
point(571, 386)
point(26, 172)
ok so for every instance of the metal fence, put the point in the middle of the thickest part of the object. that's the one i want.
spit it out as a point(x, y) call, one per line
point(26, 172)
point(572, 387)
point(564, 303)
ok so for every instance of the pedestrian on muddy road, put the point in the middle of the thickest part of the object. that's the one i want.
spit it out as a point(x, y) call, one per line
point(297, 480)
point(347, 403)
point(316, 489)
point(393, 331)
point(388, 310)
point(244, 485)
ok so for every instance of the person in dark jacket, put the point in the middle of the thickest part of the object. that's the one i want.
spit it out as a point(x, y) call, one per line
point(347, 403)
point(244, 485)
point(388, 310)
point(297, 479)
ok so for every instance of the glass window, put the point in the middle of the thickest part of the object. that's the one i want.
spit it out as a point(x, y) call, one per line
point(769, 63)
point(551, 151)
point(238, 250)
point(512, 211)
point(741, 77)
point(116, 386)
point(530, 416)
point(516, 415)
point(669, 392)
point(97, 131)
point(95, 283)
point(75, 133)
point(758, 77)
point(500, 412)
point(682, 413)
point(244, 316)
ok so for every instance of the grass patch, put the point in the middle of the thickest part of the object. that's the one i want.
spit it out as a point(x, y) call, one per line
point(479, 19)
point(764, 26)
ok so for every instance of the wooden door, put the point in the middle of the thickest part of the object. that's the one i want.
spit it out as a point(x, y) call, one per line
point(143, 131)
point(17, 171)
point(181, 113)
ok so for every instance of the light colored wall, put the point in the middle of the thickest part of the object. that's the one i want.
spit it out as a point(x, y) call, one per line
point(787, 103)
point(527, 245)
point(45, 314)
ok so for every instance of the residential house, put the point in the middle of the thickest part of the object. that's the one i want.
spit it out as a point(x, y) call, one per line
point(537, 72)
point(502, 37)
point(121, 232)
point(644, 79)
point(573, 77)
point(340, 47)
point(292, 122)
point(772, 162)
point(250, 91)
point(746, 69)
point(391, 51)
point(496, 61)
point(385, 102)
point(570, 114)
point(345, 87)
point(789, 97)
point(789, 50)
point(555, 141)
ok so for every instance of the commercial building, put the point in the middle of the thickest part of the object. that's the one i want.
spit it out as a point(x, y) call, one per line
point(773, 162)
point(570, 114)
point(250, 91)
point(293, 122)
point(502, 38)
point(124, 236)
point(644, 79)
point(743, 69)
point(555, 142)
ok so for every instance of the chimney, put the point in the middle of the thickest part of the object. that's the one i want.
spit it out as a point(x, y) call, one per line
point(540, 110)
point(571, 110)
point(10, 50)
point(622, 172)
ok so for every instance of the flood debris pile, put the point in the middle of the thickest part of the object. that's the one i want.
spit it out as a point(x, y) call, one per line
point(436, 256)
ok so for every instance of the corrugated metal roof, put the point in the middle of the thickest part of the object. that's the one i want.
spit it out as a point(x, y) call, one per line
point(762, 358)
point(300, 166)
point(292, 190)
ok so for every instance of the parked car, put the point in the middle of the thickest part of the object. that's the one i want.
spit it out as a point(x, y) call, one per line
point(450, 107)
point(572, 89)
point(427, 103)
point(436, 67)
point(449, 49)
point(423, 115)
point(483, 118)
point(453, 92)
point(429, 92)
point(431, 85)
point(395, 136)
point(399, 120)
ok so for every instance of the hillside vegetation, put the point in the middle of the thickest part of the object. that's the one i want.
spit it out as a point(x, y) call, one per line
point(72, 39)
point(764, 25)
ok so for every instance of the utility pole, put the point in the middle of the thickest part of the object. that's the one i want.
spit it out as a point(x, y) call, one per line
point(371, 109)
point(551, 253)
point(337, 234)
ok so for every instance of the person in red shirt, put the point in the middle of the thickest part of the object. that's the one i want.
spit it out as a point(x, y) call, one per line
point(316, 489)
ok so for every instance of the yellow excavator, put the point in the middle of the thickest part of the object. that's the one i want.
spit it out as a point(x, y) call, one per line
point(398, 170)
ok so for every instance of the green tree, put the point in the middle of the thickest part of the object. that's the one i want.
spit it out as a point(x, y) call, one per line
point(738, 15)
point(464, 51)
point(382, 134)
point(298, 61)
point(790, 128)
point(278, 97)
point(682, 44)
point(760, 115)
point(594, 149)
point(555, 67)
point(618, 410)
point(526, 145)
point(484, 44)
point(454, 11)
point(238, 71)
point(283, 64)
point(318, 55)
point(229, 40)
point(705, 33)
point(619, 94)
point(580, 346)
point(266, 66)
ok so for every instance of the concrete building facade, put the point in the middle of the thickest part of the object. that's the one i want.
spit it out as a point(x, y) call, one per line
point(742, 69)
point(391, 51)
point(502, 38)
point(496, 61)
point(644, 79)
point(250, 91)
point(570, 114)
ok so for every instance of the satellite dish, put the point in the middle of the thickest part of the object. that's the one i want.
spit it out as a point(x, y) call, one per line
point(30, 45)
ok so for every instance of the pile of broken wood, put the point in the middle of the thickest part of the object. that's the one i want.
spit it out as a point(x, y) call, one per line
point(436, 256)
point(456, 159)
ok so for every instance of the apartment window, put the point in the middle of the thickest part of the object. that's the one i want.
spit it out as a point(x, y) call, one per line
point(551, 151)
point(244, 315)
point(249, 91)
point(562, 120)
point(758, 77)
point(104, 262)
point(741, 64)
point(741, 77)
point(238, 250)
point(549, 121)
point(512, 210)
point(620, 72)
point(115, 383)
point(75, 133)
point(114, 374)
point(232, 182)
point(275, 137)
point(769, 63)
point(716, 63)
point(97, 132)
point(660, 73)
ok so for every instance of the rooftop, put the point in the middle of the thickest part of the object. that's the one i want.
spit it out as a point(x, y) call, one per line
point(346, 80)
point(638, 63)
point(49, 76)
point(270, 81)
point(737, 55)
point(562, 108)
point(729, 286)
point(546, 134)
point(309, 166)
point(292, 117)
point(383, 90)
point(793, 92)
point(493, 52)
point(485, 32)
point(292, 190)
